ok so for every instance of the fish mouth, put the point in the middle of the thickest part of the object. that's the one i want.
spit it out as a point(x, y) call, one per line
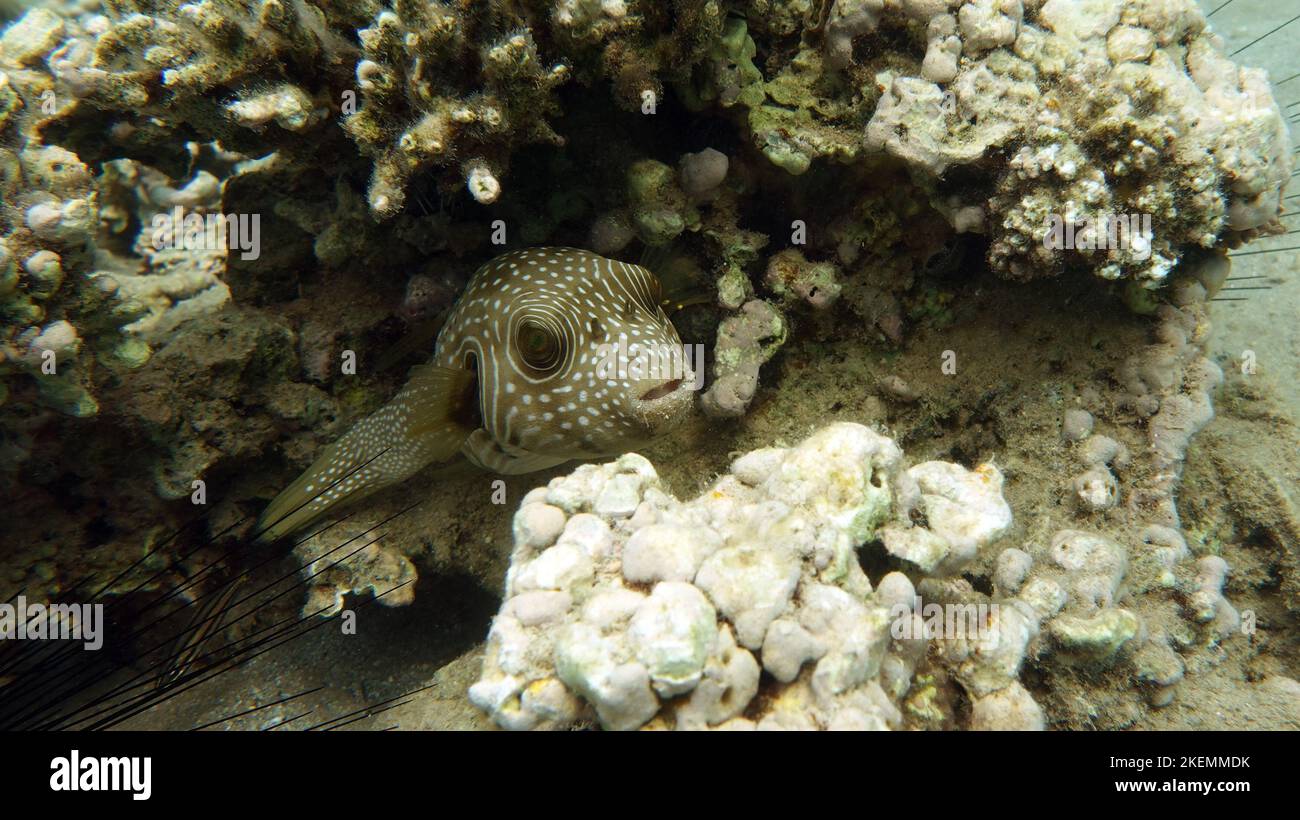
point(665, 389)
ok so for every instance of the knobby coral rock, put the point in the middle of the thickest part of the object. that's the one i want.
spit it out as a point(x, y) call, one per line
point(665, 613)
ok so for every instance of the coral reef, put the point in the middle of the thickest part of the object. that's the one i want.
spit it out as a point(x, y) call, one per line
point(220, 362)
point(1062, 92)
point(100, 288)
point(1169, 383)
point(627, 607)
point(463, 87)
point(745, 342)
point(212, 70)
point(653, 609)
point(791, 276)
point(458, 92)
point(831, 183)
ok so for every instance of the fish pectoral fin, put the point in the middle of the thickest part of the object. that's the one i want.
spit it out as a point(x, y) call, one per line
point(483, 451)
point(426, 422)
point(441, 402)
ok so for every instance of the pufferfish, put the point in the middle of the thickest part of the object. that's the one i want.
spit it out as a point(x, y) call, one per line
point(540, 361)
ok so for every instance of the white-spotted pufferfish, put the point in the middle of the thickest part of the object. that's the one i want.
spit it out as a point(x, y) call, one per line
point(521, 379)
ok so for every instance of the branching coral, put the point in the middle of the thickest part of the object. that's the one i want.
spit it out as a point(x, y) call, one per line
point(461, 87)
point(418, 109)
point(217, 68)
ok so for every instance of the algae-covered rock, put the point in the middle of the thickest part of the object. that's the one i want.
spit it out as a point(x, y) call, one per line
point(1096, 637)
point(745, 342)
point(780, 588)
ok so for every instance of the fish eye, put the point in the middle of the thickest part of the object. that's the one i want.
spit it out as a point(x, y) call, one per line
point(538, 345)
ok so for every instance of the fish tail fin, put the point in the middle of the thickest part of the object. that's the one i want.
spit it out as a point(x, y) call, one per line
point(428, 421)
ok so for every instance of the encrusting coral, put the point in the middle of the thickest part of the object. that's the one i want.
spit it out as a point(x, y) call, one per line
point(623, 600)
point(1119, 109)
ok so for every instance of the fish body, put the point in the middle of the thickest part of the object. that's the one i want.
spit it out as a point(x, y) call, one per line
point(550, 354)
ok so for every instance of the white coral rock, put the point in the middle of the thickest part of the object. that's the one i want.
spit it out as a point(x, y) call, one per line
point(964, 510)
point(651, 611)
